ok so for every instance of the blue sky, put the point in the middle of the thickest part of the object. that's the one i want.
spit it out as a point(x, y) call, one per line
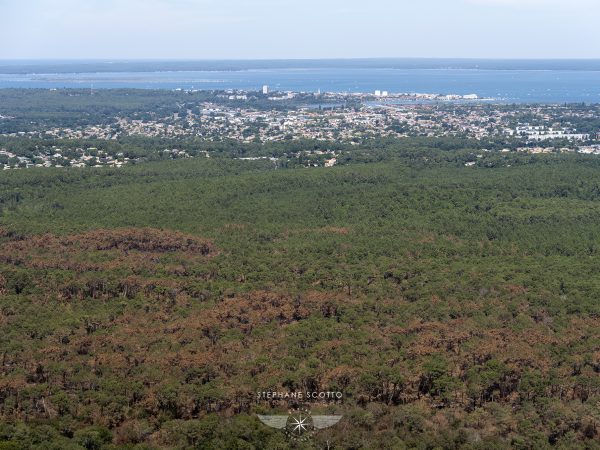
point(222, 29)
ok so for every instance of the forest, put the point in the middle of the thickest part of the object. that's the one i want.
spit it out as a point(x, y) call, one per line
point(454, 307)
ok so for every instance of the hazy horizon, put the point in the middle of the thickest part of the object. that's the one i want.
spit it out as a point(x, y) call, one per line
point(350, 58)
point(274, 30)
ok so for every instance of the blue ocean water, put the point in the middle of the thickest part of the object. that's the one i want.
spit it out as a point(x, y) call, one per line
point(549, 83)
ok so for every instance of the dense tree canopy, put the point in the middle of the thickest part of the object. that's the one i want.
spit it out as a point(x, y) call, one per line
point(455, 307)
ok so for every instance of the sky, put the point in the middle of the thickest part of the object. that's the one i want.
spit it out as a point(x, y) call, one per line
point(273, 29)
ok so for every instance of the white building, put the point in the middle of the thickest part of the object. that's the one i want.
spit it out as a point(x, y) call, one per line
point(265, 89)
point(541, 133)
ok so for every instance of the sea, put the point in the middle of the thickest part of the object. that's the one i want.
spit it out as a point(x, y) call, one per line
point(510, 81)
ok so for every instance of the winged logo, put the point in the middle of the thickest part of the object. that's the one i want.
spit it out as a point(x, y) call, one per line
point(300, 423)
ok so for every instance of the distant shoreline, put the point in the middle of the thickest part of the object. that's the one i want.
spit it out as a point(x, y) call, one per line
point(24, 67)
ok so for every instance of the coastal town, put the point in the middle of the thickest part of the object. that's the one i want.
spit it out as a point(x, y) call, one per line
point(346, 118)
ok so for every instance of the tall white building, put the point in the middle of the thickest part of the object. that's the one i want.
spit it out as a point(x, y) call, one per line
point(265, 89)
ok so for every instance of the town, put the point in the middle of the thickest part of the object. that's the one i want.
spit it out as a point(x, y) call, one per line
point(349, 118)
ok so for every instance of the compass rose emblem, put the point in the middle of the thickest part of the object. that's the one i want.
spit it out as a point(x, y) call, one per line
point(300, 423)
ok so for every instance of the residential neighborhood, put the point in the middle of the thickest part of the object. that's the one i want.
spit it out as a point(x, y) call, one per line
point(337, 117)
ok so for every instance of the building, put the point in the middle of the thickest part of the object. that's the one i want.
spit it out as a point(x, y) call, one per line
point(265, 89)
point(541, 133)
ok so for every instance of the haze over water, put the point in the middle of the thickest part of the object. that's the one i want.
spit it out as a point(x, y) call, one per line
point(511, 81)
